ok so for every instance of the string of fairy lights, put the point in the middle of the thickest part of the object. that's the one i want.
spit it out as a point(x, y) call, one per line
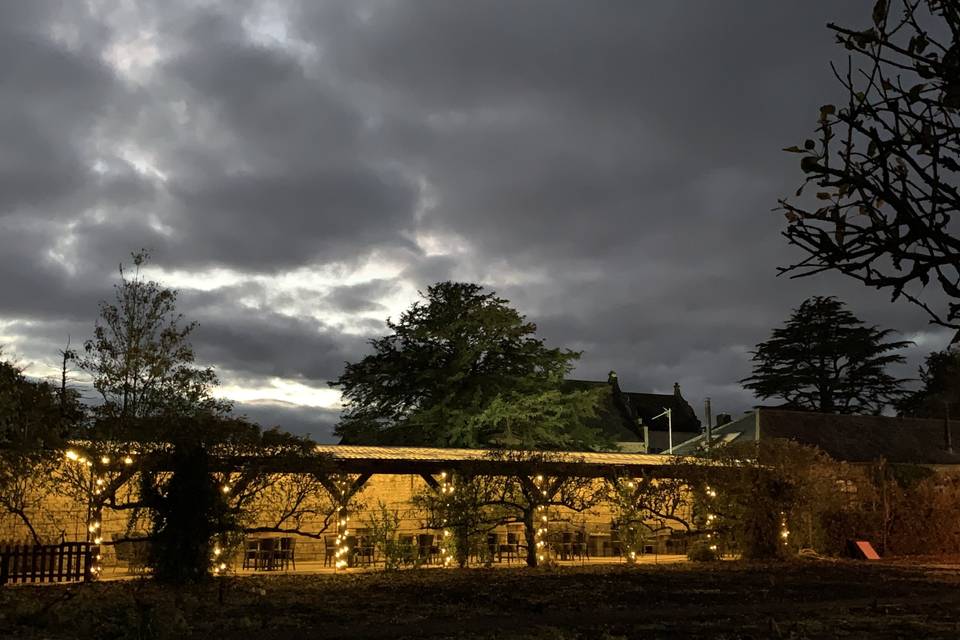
point(97, 482)
point(541, 523)
point(447, 491)
point(711, 518)
point(341, 556)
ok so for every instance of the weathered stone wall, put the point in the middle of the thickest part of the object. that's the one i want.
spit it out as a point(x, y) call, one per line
point(57, 516)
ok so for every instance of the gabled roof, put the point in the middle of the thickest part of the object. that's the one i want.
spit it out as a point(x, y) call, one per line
point(842, 437)
point(626, 412)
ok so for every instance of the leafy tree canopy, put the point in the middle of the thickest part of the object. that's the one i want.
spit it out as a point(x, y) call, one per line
point(32, 413)
point(462, 368)
point(940, 392)
point(825, 359)
point(141, 358)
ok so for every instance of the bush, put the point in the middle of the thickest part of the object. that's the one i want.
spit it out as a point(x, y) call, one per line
point(703, 551)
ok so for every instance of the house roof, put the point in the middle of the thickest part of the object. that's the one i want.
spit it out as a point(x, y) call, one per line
point(843, 437)
point(625, 412)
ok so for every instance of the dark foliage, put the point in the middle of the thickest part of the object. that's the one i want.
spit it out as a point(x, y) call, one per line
point(35, 420)
point(825, 359)
point(141, 358)
point(188, 511)
point(886, 163)
point(461, 368)
point(940, 394)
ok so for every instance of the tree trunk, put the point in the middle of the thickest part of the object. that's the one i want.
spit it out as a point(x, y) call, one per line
point(462, 546)
point(529, 529)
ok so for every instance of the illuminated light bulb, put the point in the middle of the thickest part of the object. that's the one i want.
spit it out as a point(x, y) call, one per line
point(539, 478)
point(223, 566)
point(99, 481)
point(97, 540)
point(72, 455)
point(128, 460)
point(225, 488)
point(105, 460)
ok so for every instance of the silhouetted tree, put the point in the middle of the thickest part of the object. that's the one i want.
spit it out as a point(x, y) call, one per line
point(35, 420)
point(825, 359)
point(886, 163)
point(460, 368)
point(188, 510)
point(940, 394)
point(140, 357)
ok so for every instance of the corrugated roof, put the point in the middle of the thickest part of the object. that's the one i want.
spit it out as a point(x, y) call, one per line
point(851, 438)
point(436, 454)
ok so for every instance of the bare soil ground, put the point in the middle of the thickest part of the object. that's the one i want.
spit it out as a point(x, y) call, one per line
point(802, 599)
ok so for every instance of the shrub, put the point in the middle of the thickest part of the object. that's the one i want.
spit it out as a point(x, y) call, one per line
point(703, 551)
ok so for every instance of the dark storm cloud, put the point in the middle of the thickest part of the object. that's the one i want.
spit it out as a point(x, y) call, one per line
point(610, 168)
point(264, 344)
point(360, 297)
point(314, 422)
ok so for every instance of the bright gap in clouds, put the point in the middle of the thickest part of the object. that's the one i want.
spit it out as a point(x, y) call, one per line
point(281, 390)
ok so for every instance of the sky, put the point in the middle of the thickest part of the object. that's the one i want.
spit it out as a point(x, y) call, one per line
point(299, 170)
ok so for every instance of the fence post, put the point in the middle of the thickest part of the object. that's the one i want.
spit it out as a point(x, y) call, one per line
point(4, 566)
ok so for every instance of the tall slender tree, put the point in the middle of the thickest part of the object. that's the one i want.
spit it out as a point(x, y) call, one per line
point(825, 359)
point(141, 358)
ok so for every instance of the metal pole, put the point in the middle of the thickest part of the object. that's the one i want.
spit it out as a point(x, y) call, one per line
point(670, 429)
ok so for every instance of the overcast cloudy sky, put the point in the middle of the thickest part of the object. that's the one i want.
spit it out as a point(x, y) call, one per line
point(300, 169)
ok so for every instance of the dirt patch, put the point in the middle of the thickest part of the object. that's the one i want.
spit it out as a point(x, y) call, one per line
point(728, 600)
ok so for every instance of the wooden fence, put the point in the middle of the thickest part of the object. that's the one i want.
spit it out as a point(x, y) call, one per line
point(64, 562)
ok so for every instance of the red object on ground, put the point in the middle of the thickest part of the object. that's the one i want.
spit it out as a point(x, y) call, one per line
point(866, 549)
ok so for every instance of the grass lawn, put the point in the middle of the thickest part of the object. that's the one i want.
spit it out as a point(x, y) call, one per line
point(802, 599)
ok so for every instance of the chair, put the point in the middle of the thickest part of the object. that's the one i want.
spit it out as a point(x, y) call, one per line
point(268, 555)
point(566, 545)
point(490, 550)
point(426, 550)
point(329, 551)
point(286, 553)
point(365, 550)
point(251, 554)
point(511, 547)
point(580, 547)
